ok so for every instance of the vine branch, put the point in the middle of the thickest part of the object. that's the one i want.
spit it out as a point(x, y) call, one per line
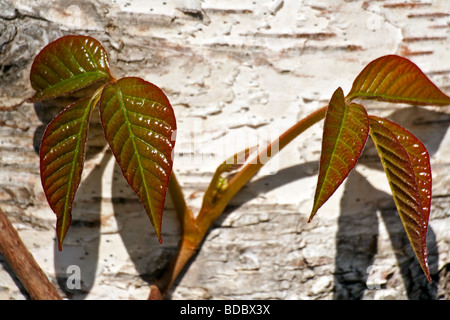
point(23, 263)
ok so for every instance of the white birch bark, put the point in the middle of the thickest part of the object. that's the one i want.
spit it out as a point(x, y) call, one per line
point(238, 73)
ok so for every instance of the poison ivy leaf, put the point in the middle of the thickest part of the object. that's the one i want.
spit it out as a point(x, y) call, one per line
point(62, 158)
point(346, 128)
point(407, 167)
point(139, 124)
point(396, 79)
point(420, 160)
point(66, 65)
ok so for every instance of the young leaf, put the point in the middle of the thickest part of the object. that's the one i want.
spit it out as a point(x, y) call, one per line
point(346, 128)
point(407, 167)
point(396, 79)
point(66, 65)
point(219, 183)
point(139, 125)
point(62, 158)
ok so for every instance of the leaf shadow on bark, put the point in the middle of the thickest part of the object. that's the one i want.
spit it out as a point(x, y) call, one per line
point(76, 265)
point(139, 239)
point(147, 255)
point(358, 224)
point(357, 273)
point(255, 187)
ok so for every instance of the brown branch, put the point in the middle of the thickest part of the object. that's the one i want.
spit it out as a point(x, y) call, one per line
point(23, 264)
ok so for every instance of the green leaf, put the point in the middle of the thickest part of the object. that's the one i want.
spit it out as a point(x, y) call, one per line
point(346, 128)
point(66, 65)
point(407, 166)
point(396, 79)
point(62, 158)
point(139, 125)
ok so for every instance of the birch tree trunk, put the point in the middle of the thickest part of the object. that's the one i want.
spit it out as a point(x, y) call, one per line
point(238, 73)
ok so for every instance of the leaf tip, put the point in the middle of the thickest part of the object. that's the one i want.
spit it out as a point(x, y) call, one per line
point(427, 274)
point(156, 222)
point(423, 261)
point(313, 213)
point(396, 79)
point(424, 265)
point(61, 235)
point(158, 234)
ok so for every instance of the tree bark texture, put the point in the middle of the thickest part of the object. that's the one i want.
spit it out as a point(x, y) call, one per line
point(238, 73)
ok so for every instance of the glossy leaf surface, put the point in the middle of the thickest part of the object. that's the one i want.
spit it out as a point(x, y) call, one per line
point(62, 158)
point(346, 128)
point(407, 167)
point(66, 65)
point(396, 79)
point(139, 125)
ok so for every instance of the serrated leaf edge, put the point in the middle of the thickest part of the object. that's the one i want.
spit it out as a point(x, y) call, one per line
point(422, 224)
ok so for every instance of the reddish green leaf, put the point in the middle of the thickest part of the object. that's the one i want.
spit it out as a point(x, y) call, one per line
point(345, 133)
point(396, 79)
point(139, 124)
point(62, 157)
point(66, 65)
point(407, 166)
point(420, 160)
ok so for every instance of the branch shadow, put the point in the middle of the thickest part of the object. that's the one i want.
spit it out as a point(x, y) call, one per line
point(355, 251)
point(267, 183)
point(363, 207)
point(248, 192)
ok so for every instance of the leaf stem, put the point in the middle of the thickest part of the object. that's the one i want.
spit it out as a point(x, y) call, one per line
point(208, 214)
point(23, 264)
point(194, 229)
point(190, 240)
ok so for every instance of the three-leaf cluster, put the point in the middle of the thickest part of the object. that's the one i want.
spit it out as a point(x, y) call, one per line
point(405, 159)
point(136, 116)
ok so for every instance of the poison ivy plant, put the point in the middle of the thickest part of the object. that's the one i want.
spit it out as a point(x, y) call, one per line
point(139, 125)
point(136, 116)
point(405, 159)
point(347, 126)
